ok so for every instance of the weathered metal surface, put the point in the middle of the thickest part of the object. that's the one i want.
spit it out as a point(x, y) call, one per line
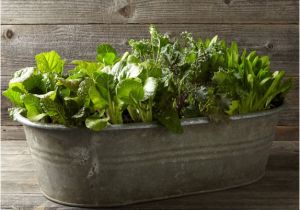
point(132, 163)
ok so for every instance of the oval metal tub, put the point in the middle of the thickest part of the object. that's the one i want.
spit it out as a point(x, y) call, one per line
point(139, 162)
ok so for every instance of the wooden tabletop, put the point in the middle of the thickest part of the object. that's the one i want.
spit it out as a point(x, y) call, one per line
point(277, 190)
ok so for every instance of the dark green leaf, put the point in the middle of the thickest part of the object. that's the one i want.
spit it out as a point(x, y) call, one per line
point(169, 118)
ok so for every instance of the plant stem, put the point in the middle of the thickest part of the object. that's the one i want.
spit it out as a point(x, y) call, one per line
point(114, 112)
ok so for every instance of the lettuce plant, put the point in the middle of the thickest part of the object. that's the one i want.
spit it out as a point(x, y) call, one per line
point(160, 79)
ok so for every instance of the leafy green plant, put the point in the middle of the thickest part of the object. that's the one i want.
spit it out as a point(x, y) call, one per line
point(161, 79)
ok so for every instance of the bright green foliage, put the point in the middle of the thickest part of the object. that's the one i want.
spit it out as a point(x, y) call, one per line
point(33, 107)
point(106, 54)
point(14, 97)
point(248, 82)
point(96, 122)
point(49, 62)
point(161, 79)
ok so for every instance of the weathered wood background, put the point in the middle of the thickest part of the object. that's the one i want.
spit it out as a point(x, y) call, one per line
point(74, 28)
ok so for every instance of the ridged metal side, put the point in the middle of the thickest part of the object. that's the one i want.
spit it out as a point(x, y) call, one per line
point(142, 162)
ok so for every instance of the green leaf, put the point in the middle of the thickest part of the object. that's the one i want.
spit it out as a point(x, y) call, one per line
point(248, 68)
point(99, 100)
point(82, 113)
point(25, 80)
point(233, 108)
point(264, 81)
point(150, 86)
point(250, 80)
point(53, 108)
point(265, 62)
point(190, 58)
point(65, 92)
point(22, 75)
point(130, 91)
point(50, 95)
point(251, 56)
point(133, 71)
point(95, 123)
point(132, 59)
point(109, 58)
point(220, 77)
point(19, 87)
point(85, 68)
point(48, 82)
point(165, 112)
point(104, 80)
point(14, 111)
point(49, 62)
point(150, 69)
point(106, 54)
point(83, 91)
point(33, 107)
point(14, 97)
point(169, 118)
point(129, 71)
point(72, 84)
point(213, 41)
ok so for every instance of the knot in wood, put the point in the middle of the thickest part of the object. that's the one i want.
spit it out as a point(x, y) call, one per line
point(9, 34)
point(227, 1)
point(126, 11)
point(269, 45)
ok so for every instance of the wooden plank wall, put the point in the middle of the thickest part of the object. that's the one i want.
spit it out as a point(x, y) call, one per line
point(74, 28)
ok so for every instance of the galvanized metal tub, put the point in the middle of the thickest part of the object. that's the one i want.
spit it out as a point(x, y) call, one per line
point(139, 162)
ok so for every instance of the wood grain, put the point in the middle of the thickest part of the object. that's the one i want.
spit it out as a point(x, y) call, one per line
point(287, 133)
point(280, 42)
point(277, 190)
point(14, 147)
point(145, 11)
point(19, 182)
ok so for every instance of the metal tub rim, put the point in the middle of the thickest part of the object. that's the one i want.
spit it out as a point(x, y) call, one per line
point(141, 125)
